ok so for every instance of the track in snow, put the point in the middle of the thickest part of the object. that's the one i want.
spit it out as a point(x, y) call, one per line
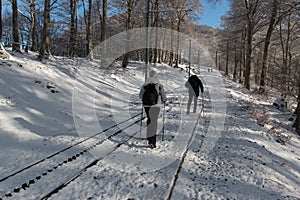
point(26, 184)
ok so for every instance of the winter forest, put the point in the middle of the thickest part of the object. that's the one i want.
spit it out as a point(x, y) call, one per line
point(258, 44)
point(257, 47)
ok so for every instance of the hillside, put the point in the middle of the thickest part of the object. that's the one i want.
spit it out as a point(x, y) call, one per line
point(70, 130)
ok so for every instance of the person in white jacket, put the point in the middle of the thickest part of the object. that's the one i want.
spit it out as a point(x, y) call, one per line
point(152, 101)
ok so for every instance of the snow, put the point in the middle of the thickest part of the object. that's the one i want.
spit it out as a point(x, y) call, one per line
point(241, 147)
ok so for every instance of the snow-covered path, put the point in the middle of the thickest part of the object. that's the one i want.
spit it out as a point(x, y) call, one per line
point(246, 162)
point(243, 164)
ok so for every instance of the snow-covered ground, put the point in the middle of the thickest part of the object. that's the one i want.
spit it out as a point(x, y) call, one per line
point(240, 147)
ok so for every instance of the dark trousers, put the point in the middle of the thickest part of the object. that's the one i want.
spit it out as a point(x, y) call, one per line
point(152, 117)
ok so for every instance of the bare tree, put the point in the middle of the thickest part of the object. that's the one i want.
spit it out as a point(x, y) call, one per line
point(232, 42)
point(32, 29)
point(16, 40)
point(34, 40)
point(179, 12)
point(45, 45)
point(155, 24)
point(272, 22)
point(279, 11)
point(184, 8)
point(2, 51)
point(104, 20)
point(297, 122)
point(73, 28)
point(288, 29)
point(251, 7)
point(130, 4)
point(88, 27)
point(245, 20)
point(89, 45)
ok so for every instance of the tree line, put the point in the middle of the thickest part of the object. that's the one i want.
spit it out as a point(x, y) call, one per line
point(259, 46)
point(73, 28)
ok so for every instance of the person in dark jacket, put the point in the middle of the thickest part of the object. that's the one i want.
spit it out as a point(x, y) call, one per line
point(152, 110)
point(193, 84)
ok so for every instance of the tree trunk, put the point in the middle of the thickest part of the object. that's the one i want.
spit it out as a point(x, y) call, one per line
point(271, 27)
point(235, 65)
point(128, 27)
point(73, 29)
point(251, 7)
point(34, 38)
point(171, 54)
point(243, 58)
point(16, 40)
point(32, 25)
point(248, 56)
point(177, 44)
point(155, 57)
point(89, 30)
point(216, 59)
point(297, 122)
point(104, 19)
point(46, 33)
point(285, 47)
point(227, 58)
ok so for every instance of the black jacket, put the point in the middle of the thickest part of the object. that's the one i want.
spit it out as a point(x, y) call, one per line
point(194, 83)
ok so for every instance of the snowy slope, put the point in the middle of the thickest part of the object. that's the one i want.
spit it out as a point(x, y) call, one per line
point(241, 147)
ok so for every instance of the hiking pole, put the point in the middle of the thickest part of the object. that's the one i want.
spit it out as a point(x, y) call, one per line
point(202, 109)
point(141, 123)
point(163, 131)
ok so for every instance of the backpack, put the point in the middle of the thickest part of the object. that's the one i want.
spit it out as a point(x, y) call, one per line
point(150, 97)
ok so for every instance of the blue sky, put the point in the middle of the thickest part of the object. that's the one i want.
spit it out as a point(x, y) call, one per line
point(212, 13)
